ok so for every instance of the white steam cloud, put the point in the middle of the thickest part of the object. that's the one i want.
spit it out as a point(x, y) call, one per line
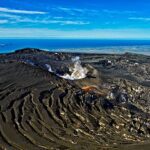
point(49, 68)
point(77, 72)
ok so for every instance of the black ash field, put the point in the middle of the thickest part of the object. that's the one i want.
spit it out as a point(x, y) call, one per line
point(74, 101)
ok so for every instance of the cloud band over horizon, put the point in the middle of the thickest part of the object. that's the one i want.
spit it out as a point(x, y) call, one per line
point(83, 34)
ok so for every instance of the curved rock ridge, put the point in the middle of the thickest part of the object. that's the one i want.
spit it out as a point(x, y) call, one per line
point(41, 111)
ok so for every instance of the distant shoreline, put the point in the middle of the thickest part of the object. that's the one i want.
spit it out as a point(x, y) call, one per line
point(78, 45)
point(99, 51)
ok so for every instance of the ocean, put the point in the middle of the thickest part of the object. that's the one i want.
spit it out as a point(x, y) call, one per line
point(77, 45)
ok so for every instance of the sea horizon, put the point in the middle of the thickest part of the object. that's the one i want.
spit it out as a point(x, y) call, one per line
point(115, 46)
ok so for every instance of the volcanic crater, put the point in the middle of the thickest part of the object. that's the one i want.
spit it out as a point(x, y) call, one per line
point(41, 109)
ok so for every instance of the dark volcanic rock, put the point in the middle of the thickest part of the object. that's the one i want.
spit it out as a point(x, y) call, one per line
point(27, 51)
point(122, 98)
point(44, 111)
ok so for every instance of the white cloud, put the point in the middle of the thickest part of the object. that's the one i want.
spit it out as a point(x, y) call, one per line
point(61, 22)
point(12, 18)
point(139, 18)
point(73, 11)
point(3, 21)
point(89, 34)
point(73, 22)
point(9, 16)
point(58, 17)
point(19, 19)
point(92, 12)
point(8, 10)
point(118, 12)
point(63, 8)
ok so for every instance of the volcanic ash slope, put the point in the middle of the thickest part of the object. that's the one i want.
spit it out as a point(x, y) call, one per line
point(40, 110)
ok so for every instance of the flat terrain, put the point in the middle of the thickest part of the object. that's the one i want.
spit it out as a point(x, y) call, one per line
point(40, 110)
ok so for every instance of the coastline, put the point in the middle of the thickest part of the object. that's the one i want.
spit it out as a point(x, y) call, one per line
point(78, 45)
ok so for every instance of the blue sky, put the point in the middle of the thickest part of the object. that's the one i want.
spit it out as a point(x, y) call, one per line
point(75, 19)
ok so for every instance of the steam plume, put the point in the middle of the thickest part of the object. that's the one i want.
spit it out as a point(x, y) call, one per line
point(77, 71)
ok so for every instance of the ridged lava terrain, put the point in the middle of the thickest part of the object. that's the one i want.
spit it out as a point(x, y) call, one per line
point(108, 109)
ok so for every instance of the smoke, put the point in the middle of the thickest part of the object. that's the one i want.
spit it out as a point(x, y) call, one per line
point(77, 71)
point(49, 67)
